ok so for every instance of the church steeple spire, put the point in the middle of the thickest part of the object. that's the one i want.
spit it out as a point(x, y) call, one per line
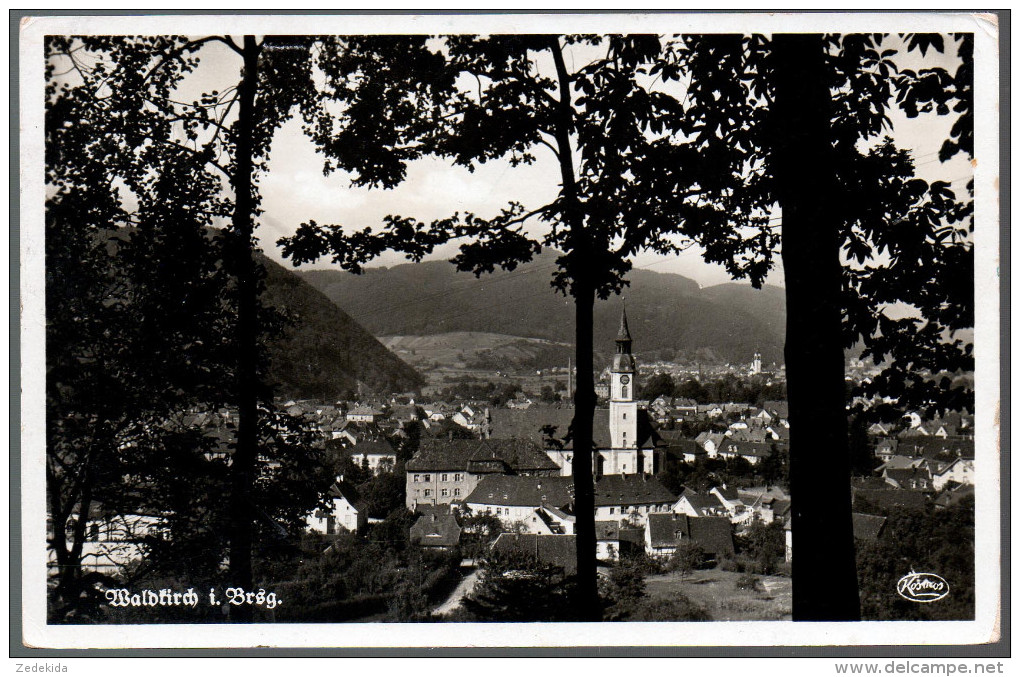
point(623, 361)
point(623, 340)
point(624, 333)
point(622, 404)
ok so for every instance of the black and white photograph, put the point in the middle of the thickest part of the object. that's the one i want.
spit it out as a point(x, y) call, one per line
point(510, 330)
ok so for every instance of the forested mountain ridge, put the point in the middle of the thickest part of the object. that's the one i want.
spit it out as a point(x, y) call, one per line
point(324, 353)
point(670, 315)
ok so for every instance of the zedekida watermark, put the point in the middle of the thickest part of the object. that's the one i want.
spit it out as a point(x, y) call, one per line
point(922, 587)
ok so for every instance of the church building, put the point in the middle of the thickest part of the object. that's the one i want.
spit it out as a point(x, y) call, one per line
point(626, 441)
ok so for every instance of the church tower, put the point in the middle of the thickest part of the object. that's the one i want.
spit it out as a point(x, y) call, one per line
point(622, 406)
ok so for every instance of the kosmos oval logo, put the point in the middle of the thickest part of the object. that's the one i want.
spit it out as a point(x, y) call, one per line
point(921, 587)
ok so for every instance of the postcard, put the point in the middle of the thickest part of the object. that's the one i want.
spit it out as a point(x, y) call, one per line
point(510, 330)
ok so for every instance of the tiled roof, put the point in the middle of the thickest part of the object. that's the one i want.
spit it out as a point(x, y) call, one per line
point(747, 449)
point(934, 446)
point(892, 498)
point(519, 490)
point(490, 455)
point(611, 531)
point(631, 490)
point(362, 410)
point(867, 527)
point(373, 447)
point(346, 490)
point(729, 493)
point(436, 530)
point(778, 408)
point(557, 550)
point(714, 534)
point(702, 502)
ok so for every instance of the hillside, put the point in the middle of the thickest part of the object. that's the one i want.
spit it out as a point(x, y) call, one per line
point(669, 314)
point(477, 350)
point(324, 352)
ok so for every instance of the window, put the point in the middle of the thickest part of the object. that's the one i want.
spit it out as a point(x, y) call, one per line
point(611, 510)
point(624, 416)
point(456, 492)
point(428, 492)
point(457, 477)
point(445, 492)
point(428, 478)
point(624, 392)
point(444, 478)
point(417, 478)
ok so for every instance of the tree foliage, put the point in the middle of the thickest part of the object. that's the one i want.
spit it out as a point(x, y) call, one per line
point(145, 300)
point(513, 587)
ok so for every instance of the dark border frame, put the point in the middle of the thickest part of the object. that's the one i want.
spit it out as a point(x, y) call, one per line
point(1000, 649)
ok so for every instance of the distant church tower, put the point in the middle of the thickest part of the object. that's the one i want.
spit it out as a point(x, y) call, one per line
point(756, 364)
point(623, 410)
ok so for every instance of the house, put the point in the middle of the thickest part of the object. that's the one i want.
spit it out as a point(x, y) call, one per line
point(475, 420)
point(697, 504)
point(952, 493)
point(363, 414)
point(777, 408)
point(378, 455)
point(346, 512)
point(886, 448)
point(752, 452)
point(897, 462)
point(960, 471)
point(406, 413)
point(937, 447)
point(612, 540)
point(447, 470)
point(113, 540)
point(631, 498)
point(522, 502)
point(710, 442)
point(766, 504)
point(560, 551)
point(914, 478)
point(663, 533)
point(436, 531)
point(879, 429)
point(685, 407)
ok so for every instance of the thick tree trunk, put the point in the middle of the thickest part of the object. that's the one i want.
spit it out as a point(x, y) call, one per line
point(582, 462)
point(590, 608)
point(824, 568)
point(242, 470)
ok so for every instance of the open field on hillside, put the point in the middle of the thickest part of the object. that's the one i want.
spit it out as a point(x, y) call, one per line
point(715, 590)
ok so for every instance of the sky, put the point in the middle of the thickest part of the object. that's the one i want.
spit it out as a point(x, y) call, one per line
point(294, 190)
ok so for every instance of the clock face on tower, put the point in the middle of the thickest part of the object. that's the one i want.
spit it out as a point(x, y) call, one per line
point(625, 379)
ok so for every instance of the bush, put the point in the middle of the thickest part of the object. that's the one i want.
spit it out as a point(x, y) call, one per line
point(515, 587)
point(748, 582)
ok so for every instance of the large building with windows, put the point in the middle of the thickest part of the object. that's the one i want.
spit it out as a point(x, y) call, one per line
point(446, 471)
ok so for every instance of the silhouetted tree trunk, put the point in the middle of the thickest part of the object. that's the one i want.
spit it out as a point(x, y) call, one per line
point(823, 553)
point(246, 452)
point(584, 397)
